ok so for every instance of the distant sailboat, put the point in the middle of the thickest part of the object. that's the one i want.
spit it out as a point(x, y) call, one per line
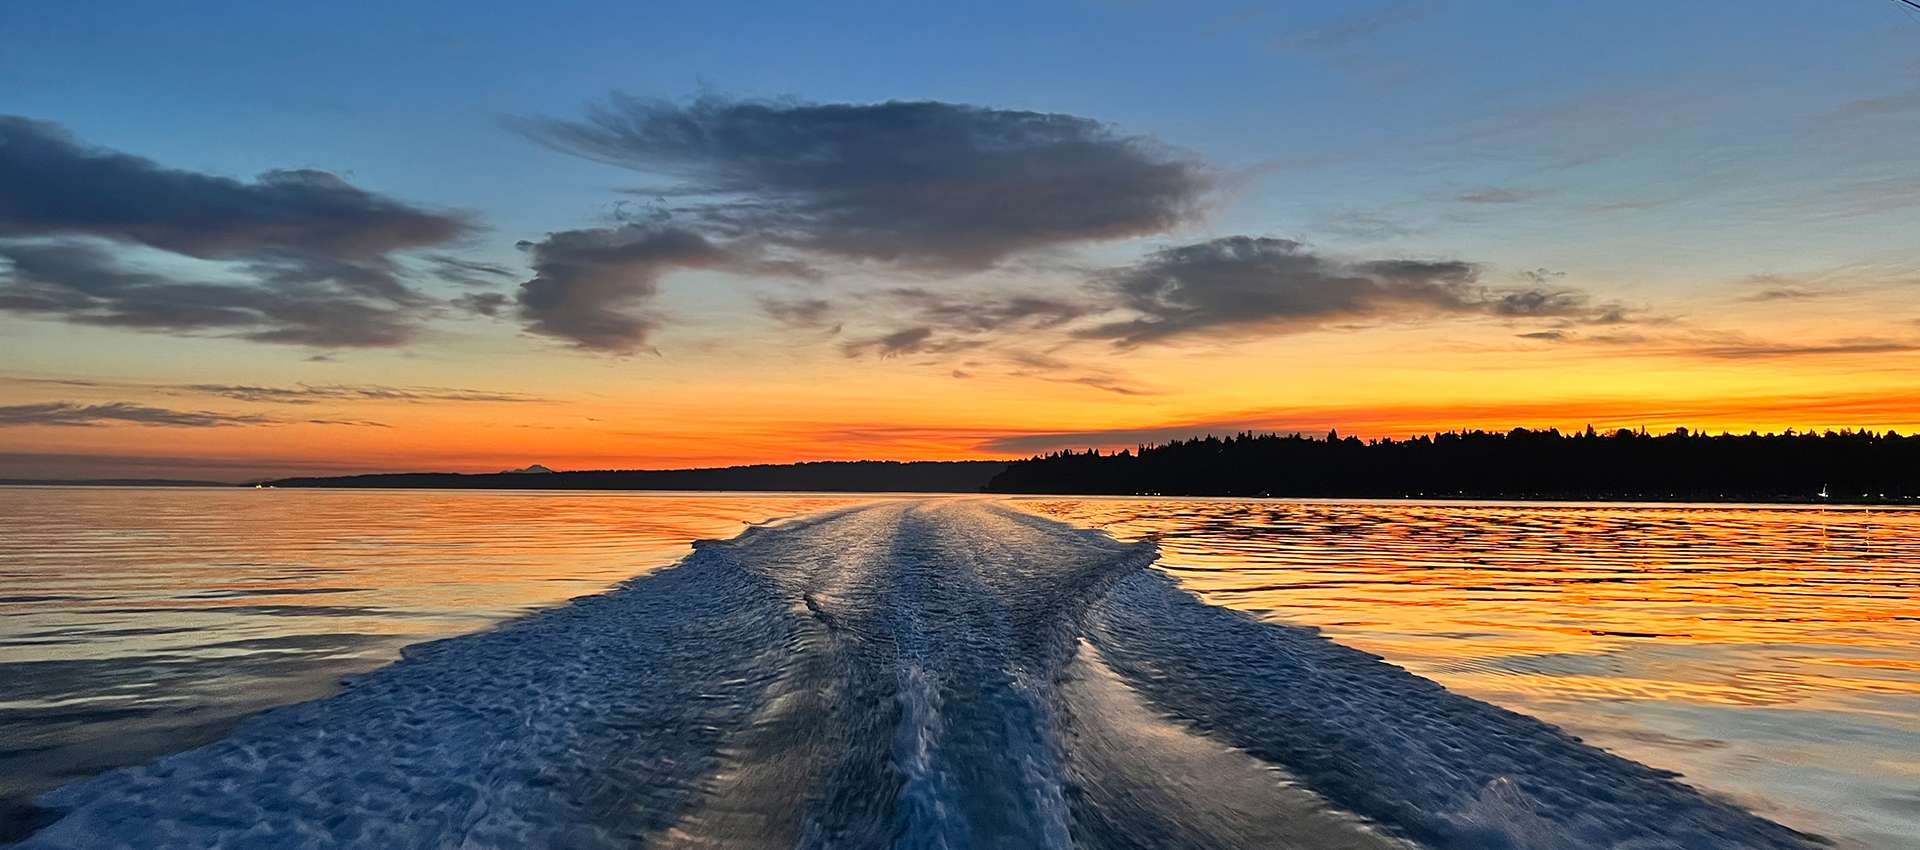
point(1823, 492)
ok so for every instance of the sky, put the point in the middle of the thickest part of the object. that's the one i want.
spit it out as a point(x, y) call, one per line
point(241, 240)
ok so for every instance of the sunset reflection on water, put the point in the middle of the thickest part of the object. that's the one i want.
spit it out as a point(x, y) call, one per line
point(1769, 654)
point(137, 621)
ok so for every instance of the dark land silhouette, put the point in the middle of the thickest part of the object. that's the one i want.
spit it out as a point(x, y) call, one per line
point(861, 476)
point(1850, 466)
point(109, 482)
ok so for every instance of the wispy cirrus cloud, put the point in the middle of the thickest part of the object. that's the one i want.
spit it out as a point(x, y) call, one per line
point(1105, 384)
point(1500, 195)
point(469, 272)
point(318, 393)
point(489, 304)
point(1786, 293)
point(797, 312)
point(988, 311)
point(300, 393)
point(1877, 106)
point(1721, 345)
point(77, 415)
point(1746, 349)
point(1354, 26)
point(1354, 224)
point(944, 322)
point(920, 339)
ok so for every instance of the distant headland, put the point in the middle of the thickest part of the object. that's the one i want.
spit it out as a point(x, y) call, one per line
point(861, 476)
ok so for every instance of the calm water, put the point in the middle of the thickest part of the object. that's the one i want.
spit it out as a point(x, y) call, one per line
point(1770, 655)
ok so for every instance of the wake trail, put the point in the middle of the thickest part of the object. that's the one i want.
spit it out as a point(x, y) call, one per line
point(917, 674)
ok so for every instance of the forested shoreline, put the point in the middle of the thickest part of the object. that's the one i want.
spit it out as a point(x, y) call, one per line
point(1850, 466)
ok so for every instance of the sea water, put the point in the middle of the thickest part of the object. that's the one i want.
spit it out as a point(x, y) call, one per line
point(1766, 654)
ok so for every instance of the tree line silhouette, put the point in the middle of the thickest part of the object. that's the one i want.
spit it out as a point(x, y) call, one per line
point(1851, 466)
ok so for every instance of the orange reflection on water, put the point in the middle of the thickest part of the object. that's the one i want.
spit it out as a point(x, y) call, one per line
point(1768, 653)
point(137, 621)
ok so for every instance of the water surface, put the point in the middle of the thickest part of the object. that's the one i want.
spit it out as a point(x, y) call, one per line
point(1768, 654)
point(138, 621)
point(916, 673)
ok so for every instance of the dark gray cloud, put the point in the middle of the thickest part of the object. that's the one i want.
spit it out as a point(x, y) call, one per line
point(985, 312)
point(950, 323)
point(914, 340)
point(70, 414)
point(483, 303)
point(309, 255)
point(1786, 293)
point(1718, 345)
point(925, 184)
point(1537, 302)
point(376, 280)
point(594, 288)
point(294, 394)
point(357, 423)
point(1106, 384)
point(468, 272)
point(316, 393)
point(1244, 284)
point(797, 312)
point(894, 344)
point(1539, 276)
point(1768, 350)
point(58, 186)
point(1046, 367)
point(84, 283)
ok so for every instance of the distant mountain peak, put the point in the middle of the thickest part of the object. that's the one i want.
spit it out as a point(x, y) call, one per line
point(530, 469)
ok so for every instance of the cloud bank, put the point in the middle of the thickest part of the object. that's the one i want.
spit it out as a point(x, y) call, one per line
point(70, 414)
point(1249, 284)
point(310, 256)
point(922, 184)
point(594, 288)
point(84, 283)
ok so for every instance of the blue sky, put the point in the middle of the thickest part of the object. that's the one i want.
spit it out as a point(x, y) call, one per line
point(1345, 111)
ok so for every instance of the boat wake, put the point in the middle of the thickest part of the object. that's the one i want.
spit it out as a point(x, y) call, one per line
point(938, 674)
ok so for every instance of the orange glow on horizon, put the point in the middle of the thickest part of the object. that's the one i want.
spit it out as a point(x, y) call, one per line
point(721, 407)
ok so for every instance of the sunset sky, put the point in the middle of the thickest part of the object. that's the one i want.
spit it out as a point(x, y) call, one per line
point(246, 239)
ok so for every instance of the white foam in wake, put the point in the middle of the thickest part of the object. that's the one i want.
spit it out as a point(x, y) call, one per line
point(938, 674)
